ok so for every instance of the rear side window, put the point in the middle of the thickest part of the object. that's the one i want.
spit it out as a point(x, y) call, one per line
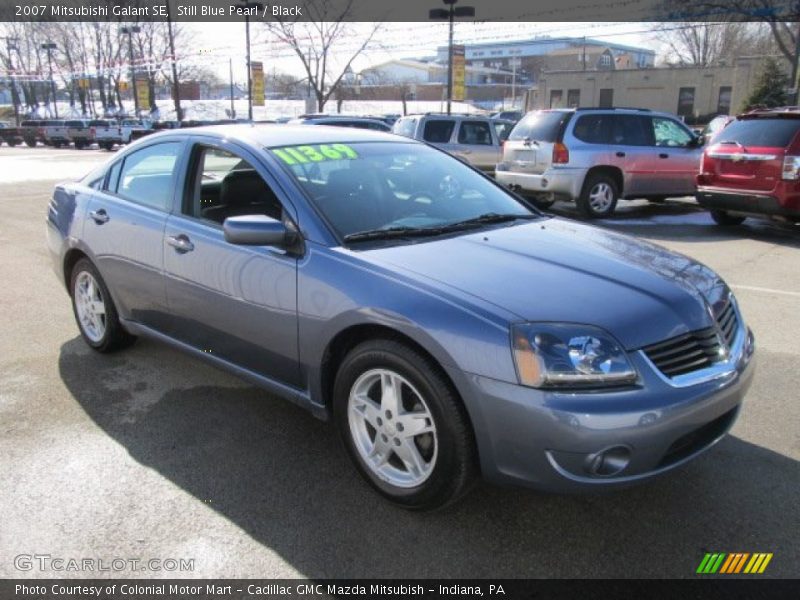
point(760, 132)
point(438, 131)
point(593, 129)
point(475, 132)
point(542, 126)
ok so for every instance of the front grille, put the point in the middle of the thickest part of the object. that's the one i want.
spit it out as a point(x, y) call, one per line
point(697, 349)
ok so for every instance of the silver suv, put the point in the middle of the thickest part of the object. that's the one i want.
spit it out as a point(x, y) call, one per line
point(472, 138)
point(595, 156)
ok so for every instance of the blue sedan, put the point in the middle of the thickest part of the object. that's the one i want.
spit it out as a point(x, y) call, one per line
point(448, 328)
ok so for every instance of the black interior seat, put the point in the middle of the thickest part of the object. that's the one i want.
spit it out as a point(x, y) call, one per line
point(352, 200)
point(244, 193)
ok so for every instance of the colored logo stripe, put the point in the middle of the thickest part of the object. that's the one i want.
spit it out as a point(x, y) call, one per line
point(732, 563)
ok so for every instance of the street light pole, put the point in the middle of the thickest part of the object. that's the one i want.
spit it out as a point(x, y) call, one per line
point(130, 31)
point(230, 69)
point(50, 46)
point(176, 88)
point(450, 14)
point(258, 6)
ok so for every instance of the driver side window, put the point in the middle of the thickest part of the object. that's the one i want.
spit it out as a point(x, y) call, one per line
point(225, 185)
point(668, 133)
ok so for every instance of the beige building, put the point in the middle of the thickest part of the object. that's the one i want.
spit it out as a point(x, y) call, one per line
point(695, 93)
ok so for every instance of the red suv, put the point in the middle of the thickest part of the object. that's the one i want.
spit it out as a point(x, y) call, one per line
point(753, 168)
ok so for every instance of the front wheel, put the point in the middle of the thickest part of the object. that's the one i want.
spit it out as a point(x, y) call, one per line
point(724, 218)
point(404, 426)
point(598, 197)
point(94, 310)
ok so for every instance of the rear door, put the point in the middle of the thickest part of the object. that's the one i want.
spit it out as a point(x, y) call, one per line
point(124, 228)
point(476, 143)
point(631, 149)
point(748, 154)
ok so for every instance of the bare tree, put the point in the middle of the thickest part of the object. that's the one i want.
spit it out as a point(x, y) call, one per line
point(326, 43)
point(701, 44)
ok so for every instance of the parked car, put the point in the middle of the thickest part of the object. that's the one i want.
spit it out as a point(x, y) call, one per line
point(503, 128)
point(471, 138)
point(9, 134)
point(79, 133)
point(108, 133)
point(595, 156)
point(713, 127)
point(32, 132)
point(508, 115)
point(339, 121)
point(752, 168)
point(443, 324)
point(54, 132)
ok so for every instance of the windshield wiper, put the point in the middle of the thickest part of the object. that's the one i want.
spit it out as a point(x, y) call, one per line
point(486, 219)
point(391, 232)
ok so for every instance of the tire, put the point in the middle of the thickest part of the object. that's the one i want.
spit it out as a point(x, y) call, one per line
point(30, 143)
point(726, 219)
point(542, 202)
point(599, 196)
point(12, 143)
point(101, 331)
point(442, 454)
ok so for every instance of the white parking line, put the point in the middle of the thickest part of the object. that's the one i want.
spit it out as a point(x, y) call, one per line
point(753, 288)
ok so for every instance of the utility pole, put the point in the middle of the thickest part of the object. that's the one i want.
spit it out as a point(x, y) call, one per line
point(11, 44)
point(129, 31)
point(230, 69)
point(450, 14)
point(176, 88)
point(50, 46)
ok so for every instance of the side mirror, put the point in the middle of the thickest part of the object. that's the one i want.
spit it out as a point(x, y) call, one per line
point(700, 140)
point(256, 230)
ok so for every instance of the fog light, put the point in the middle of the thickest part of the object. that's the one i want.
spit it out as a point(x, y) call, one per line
point(608, 462)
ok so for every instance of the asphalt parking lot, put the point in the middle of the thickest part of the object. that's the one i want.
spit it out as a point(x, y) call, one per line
point(150, 454)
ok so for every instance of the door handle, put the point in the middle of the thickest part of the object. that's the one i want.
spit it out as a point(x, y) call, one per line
point(99, 216)
point(662, 155)
point(181, 243)
point(621, 154)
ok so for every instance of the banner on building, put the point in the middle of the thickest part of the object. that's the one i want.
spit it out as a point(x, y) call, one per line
point(257, 81)
point(459, 73)
point(143, 92)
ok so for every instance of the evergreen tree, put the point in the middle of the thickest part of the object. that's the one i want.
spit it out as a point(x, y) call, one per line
point(770, 88)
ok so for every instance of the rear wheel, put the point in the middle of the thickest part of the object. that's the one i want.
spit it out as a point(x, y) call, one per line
point(403, 425)
point(726, 219)
point(94, 310)
point(30, 143)
point(599, 196)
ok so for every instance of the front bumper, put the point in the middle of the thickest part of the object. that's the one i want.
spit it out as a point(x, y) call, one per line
point(572, 442)
point(563, 182)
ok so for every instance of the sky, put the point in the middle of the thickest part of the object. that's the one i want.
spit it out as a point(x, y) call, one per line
point(396, 40)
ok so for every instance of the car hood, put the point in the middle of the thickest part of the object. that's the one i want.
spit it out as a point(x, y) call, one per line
point(562, 271)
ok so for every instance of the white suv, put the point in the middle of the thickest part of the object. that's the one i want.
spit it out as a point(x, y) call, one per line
point(595, 156)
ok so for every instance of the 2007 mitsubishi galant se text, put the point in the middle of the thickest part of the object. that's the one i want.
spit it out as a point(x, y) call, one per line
point(447, 327)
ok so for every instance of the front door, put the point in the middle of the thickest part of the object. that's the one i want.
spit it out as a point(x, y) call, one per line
point(676, 156)
point(238, 303)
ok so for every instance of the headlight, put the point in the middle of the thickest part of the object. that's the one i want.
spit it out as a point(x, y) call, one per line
point(565, 354)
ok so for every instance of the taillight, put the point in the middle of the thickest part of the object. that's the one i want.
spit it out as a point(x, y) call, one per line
point(560, 154)
point(791, 168)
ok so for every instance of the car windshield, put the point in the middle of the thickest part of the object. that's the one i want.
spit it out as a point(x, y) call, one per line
point(389, 189)
point(776, 133)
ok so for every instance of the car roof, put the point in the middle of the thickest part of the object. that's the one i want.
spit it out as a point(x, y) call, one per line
point(271, 135)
